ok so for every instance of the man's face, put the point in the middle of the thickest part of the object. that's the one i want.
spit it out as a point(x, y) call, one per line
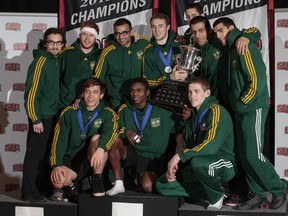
point(197, 95)
point(54, 44)
point(160, 30)
point(199, 33)
point(139, 94)
point(87, 40)
point(222, 33)
point(191, 13)
point(123, 35)
point(92, 96)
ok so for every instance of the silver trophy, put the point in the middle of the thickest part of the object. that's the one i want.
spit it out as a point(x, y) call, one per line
point(189, 58)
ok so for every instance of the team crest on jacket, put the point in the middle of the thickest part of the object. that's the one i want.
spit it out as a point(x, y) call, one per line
point(139, 54)
point(155, 122)
point(97, 123)
point(92, 64)
point(234, 63)
point(203, 127)
point(216, 54)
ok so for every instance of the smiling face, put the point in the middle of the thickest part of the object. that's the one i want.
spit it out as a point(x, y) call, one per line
point(139, 94)
point(199, 33)
point(160, 30)
point(54, 44)
point(122, 34)
point(197, 95)
point(87, 41)
point(92, 96)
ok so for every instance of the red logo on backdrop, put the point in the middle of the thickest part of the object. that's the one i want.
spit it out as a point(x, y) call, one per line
point(286, 87)
point(12, 67)
point(286, 130)
point(17, 167)
point(19, 87)
point(13, 26)
point(13, 107)
point(12, 148)
point(282, 23)
point(39, 26)
point(282, 65)
point(11, 187)
point(286, 44)
point(21, 46)
point(20, 127)
point(282, 151)
point(286, 172)
point(282, 108)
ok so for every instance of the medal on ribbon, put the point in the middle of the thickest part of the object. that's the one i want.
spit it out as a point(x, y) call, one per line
point(81, 123)
point(166, 60)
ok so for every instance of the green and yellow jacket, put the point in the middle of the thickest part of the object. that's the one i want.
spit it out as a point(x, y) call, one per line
point(153, 67)
point(76, 66)
point(246, 78)
point(117, 65)
point(42, 86)
point(208, 132)
point(67, 141)
point(156, 134)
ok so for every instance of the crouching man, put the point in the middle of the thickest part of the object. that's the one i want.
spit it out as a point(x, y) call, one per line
point(90, 130)
point(207, 159)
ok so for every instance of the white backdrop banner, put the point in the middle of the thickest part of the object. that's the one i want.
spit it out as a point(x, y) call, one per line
point(19, 35)
point(281, 92)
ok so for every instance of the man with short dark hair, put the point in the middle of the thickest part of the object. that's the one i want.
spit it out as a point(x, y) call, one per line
point(120, 61)
point(41, 104)
point(249, 99)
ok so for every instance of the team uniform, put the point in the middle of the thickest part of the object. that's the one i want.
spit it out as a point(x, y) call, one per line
point(117, 65)
point(41, 104)
point(69, 145)
point(208, 156)
point(248, 95)
point(76, 66)
point(155, 136)
point(154, 70)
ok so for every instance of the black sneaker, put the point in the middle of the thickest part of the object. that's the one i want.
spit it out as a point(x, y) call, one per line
point(97, 185)
point(234, 199)
point(278, 201)
point(254, 202)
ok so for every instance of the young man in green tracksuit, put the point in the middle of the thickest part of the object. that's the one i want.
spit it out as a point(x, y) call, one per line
point(76, 130)
point(248, 96)
point(41, 104)
point(78, 63)
point(120, 61)
point(159, 58)
point(208, 157)
point(147, 128)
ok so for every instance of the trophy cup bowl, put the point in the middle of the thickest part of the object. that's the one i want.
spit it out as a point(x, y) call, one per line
point(189, 58)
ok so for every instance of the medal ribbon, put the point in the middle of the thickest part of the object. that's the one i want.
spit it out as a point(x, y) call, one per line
point(166, 60)
point(81, 123)
point(145, 119)
point(197, 128)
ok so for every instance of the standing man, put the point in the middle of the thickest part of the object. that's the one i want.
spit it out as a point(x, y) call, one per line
point(140, 144)
point(159, 62)
point(207, 159)
point(120, 61)
point(249, 100)
point(92, 124)
point(41, 104)
point(78, 63)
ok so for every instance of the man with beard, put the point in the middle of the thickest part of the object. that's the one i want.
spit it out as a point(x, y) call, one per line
point(41, 104)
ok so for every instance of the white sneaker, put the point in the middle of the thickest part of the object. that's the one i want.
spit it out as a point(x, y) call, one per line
point(116, 189)
point(216, 205)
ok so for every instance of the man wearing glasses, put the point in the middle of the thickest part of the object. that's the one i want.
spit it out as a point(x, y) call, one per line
point(120, 61)
point(78, 63)
point(41, 104)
